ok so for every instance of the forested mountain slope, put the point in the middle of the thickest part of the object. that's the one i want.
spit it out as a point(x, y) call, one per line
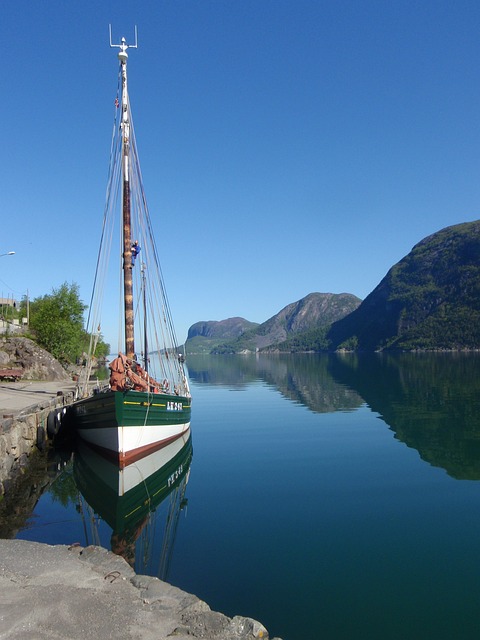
point(310, 313)
point(205, 335)
point(428, 300)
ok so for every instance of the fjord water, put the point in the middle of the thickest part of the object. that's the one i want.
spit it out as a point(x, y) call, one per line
point(331, 497)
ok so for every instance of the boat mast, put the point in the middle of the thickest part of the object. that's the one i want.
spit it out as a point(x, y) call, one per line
point(126, 209)
point(145, 327)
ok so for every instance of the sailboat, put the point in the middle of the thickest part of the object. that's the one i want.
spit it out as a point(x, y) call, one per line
point(147, 402)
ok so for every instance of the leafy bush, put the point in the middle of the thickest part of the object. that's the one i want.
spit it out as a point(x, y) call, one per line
point(57, 320)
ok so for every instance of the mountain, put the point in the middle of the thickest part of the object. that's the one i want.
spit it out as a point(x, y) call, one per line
point(428, 300)
point(205, 335)
point(310, 313)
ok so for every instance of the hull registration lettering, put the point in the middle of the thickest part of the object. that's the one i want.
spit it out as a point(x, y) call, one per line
point(175, 475)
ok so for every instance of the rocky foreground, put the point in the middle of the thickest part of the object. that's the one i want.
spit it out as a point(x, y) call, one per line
point(76, 593)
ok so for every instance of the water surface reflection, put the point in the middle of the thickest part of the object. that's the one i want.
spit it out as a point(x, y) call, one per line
point(430, 401)
point(304, 379)
point(307, 511)
point(128, 500)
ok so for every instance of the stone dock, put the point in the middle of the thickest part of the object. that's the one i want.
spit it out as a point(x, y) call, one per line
point(70, 593)
point(76, 593)
point(24, 410)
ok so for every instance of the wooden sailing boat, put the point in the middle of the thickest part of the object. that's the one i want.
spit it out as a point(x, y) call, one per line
point(145, 406)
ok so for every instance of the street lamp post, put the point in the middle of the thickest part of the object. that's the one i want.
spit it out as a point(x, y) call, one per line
point(10, 253)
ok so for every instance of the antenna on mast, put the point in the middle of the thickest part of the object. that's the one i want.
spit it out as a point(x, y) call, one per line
point(123, 45)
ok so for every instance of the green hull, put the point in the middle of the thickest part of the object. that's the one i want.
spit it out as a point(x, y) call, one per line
point(131, 424)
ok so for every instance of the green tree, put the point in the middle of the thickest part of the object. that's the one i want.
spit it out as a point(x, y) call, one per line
point(57, 320)
point(63, 489)
point(350, 344)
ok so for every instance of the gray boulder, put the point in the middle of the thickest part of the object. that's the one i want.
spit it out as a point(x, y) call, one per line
point(36, 363)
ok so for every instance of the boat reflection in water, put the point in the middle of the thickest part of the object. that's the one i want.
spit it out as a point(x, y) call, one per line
point(128, 500)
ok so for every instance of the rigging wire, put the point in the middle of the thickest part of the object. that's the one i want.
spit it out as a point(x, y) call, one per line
point(112, 170)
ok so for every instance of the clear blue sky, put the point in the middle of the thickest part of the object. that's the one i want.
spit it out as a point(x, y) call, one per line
point(287, 146)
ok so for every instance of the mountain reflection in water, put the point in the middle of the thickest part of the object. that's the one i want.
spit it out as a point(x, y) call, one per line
point(431, 401)
point(304, 379)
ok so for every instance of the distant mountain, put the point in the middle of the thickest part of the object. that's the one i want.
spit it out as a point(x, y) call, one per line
point(428, 300)
point(312, 312)
point(205, 335)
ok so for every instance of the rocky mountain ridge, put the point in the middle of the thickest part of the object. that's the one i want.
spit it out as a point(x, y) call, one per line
point(429, 300)
point(315, 309)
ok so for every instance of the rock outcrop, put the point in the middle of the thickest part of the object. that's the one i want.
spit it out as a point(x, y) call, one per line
point(35, 362)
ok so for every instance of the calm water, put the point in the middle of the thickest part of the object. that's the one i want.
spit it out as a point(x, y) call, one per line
point(331, 497)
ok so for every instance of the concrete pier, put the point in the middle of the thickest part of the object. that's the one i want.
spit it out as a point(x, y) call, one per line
point(16, 397)
point(76, 593)
point(24, 410)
